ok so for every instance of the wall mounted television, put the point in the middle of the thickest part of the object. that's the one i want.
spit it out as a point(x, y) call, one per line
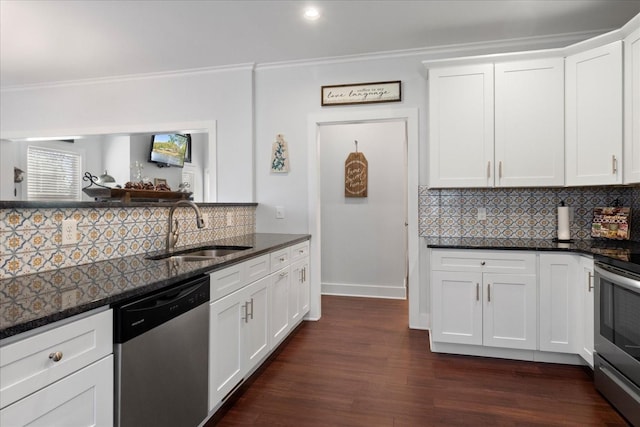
point(170, 149)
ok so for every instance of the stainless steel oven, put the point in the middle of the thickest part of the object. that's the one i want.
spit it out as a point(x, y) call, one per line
point(617, 339)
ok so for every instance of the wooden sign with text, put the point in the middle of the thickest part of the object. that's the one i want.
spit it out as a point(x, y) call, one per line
point(355, 175)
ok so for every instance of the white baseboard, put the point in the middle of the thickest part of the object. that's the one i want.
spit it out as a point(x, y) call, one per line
point(368, 291)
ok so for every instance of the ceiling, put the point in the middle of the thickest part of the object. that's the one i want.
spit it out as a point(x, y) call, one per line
point(52, 41)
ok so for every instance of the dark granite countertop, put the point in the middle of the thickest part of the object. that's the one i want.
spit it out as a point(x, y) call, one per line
point(621, 253)
point(27, 302)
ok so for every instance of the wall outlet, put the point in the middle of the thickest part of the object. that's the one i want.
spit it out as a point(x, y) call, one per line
point(68, 299)
point(279, 212)
point(229, 218)
point(69, 231)
point(482, 214)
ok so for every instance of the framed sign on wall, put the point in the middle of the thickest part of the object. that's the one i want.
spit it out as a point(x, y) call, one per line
point(362, 93)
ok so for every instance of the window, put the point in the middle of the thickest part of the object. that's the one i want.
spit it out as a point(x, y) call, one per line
point(53, 174)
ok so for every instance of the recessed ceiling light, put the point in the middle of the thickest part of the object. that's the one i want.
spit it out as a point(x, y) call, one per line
point(311, 13)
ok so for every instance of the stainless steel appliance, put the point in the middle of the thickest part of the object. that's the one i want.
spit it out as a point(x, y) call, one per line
point(617, 338)
point(161, 357)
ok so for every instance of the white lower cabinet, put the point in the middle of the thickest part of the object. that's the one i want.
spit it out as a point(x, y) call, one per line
point(279, 319)
point(246, 324)
point(238, 337)
point(514, 304)
point(59, 375)
point(82, 399)
point(497, 310)
point(299, 291)
point(586, 293)
point(559, 302)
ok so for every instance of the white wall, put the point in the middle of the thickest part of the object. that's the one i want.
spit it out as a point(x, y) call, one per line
point(116, 157)
point(364, 252)
point(123, 105)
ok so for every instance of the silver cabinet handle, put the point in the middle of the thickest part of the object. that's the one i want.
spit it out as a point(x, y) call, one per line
point(614, 164)
point(246, 312)
point(488, 292)
point(304, 274)
point(477, 291)
point(489, 169)
point(284, 274)
point(251, 314)
point(590, 281)
point(500, 169)
point(56, 357)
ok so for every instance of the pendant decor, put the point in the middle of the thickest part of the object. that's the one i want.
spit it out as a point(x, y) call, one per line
point(280, 155)
point(355, 174)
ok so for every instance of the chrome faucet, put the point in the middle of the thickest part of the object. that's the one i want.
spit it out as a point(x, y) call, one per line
point(173, 233)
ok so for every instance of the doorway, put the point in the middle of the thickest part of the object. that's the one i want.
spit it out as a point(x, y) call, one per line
point(364, 239)
point(417, 300)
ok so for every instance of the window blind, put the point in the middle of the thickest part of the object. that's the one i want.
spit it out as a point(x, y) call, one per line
point(53, 174)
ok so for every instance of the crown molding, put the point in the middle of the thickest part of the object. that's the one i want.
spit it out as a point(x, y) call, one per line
point(132, 77)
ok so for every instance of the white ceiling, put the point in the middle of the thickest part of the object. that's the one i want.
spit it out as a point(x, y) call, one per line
point(51, 41)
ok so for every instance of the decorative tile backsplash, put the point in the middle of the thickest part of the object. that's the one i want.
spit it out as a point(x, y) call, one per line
point(31, 239)
point(518, 212)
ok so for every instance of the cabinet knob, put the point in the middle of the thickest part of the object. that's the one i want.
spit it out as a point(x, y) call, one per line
point(482, 263)
point(56, 357)
point(283, 259)
point(301, 251)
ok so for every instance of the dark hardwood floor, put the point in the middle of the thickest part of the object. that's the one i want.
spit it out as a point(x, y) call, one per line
point(361, 365)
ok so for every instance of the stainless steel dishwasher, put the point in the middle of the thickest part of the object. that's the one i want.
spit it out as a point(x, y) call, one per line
point(161, 357)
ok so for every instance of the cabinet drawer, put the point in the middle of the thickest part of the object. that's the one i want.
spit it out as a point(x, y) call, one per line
point(299, 251)
point(25, 365)
point(280, 259)
point(258, 267)
point(84, 398)
point(227, 280)
point(519, 262)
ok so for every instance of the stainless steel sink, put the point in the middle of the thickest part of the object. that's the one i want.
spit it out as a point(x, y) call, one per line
point(201, 254)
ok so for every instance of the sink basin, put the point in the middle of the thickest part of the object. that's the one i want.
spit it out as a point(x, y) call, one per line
point(202, 254)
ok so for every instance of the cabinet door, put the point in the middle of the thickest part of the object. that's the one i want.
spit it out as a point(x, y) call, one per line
point(586, 290)
point(84, 398)
point(305, 290)
point(632, 108)
point(256, 325)
point(461, 126)
point(594, 116)
point(295, 291)
point(510, 311)
point(225, 345)
point(456, 304)
point(558, 303)
point(529, 123)
point(279, 319)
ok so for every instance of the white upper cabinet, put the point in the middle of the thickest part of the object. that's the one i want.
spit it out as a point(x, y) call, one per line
point(529, 123)
point(461, 126)
point(632, 108)
point(527, 114)
point(594, 116)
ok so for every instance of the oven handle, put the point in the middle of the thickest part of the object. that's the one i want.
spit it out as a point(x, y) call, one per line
point(617, 279)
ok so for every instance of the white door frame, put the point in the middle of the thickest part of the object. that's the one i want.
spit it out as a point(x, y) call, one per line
point(344, 116)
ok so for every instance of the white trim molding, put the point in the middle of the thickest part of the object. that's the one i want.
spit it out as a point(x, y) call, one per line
point(350, 115)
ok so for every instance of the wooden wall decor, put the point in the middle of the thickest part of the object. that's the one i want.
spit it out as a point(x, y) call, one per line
point(355, 174)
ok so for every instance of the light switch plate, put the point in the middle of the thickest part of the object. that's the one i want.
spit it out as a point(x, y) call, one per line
point(69, 231)
point(279, 212)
